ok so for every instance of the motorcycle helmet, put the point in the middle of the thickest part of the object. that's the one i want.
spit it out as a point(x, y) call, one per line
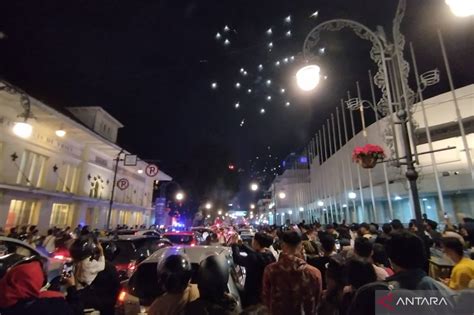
point(13, 260)
point(174, 273)
point(213, 276)
point(83, 248)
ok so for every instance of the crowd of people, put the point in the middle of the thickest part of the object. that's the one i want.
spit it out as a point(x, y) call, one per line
point(292, 269)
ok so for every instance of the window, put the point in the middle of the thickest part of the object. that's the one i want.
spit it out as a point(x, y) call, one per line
point(21, 212)
point(31, 171)
point(67, 178)
point(61, 215)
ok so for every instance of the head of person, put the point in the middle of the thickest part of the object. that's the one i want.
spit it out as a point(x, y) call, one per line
point(406, 251)
point(174, 274)
point(412, 226)
point(354, 227)
point(330, 228)
point(360, 272)
point(364, 228)
point(291, 243)
point(430, 225)
point(387, 228)
point(84, 247)
point(212, 278)
point(397, 225)
point(50, 231)
point(335, 274)
point(453, 248)
point(344, 232)
point(23, 280)
point(363, 247)
point(261, 240)
point(379, 255)
point(328, 243)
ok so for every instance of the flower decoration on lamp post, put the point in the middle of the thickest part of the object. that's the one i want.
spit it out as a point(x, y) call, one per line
point(368, 155)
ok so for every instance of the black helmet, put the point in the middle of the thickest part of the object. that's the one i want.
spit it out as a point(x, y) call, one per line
point(213, 276)
point(174, 273)
point(83, 248)
point(110, 250)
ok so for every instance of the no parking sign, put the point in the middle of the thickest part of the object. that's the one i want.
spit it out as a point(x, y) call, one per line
point(151, 170)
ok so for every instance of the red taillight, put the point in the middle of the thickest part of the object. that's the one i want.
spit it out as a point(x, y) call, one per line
point(132, 265)
point(62, 254)
point(122, 295)
point(60, 257)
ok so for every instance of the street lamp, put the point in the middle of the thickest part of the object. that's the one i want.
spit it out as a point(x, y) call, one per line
point(219, 212)
point(60, 133)
point(253, 186)
point(308, 77)
point(208, 205)
point(320, 203)
point(461, 8)
point(352, 195)
point(179, 196)
point(252, 206)
point(281, 195)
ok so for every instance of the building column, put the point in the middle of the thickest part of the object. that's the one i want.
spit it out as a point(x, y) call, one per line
point(45, 211)
point(5, 200)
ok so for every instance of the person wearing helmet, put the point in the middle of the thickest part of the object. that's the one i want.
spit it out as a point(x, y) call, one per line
point(174, 276)
point(212, 279)
point(94, 283)
point(22, 294)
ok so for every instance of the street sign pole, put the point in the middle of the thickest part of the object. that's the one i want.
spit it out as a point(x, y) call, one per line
point(111, 202)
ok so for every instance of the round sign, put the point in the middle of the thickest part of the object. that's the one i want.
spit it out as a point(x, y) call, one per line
point(151, 170)
point(122, 183)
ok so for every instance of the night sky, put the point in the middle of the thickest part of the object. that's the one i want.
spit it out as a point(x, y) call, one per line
point(151, 64)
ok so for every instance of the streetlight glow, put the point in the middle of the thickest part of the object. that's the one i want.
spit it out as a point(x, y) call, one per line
point(320, 203)
point(461, 8)
point(179, 196)
point(281, 195)
point(219, 212)
point(208, 206)
point(252, 206)
point(23, 129)
point(254, 187)
point(308, 77)
point(301, 209)
point(352, 195)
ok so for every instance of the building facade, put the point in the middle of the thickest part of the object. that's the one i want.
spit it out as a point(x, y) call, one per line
point(340, 190)
point(62, 174)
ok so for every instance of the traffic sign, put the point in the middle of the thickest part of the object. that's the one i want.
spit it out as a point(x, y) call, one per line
point(151, 170)
point(122, 183)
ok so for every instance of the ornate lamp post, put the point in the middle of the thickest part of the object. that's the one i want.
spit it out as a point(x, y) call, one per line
point(391, 78)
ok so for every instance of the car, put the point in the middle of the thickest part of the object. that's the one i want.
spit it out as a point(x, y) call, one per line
point(135, 232)
point(13, 250)
point(142, 288)
point(181, 238)
point(127, 251)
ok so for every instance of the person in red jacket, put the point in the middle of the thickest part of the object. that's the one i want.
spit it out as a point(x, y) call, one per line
point(21, 294)
point(290, 285)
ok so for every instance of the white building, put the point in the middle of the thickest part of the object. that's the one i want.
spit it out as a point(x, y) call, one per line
point(341, 189)
point(56, 179)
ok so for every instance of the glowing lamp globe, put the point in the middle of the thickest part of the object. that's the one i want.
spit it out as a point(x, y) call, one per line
point(461, 8)
point(308, 77)
point(253, 187)
point(23, 129)
point(320, 203)
point(179, 196)
point(352, 195)
point(60, 133)
point(282, 195)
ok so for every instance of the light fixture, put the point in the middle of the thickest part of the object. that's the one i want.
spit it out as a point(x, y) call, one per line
point(282, 195)
point(208, 205)
point(397, 197)
point(320, 203)
point(208, 216)
point(301, 209)
point(140, 171)
point(230, 204)
point(23, 129)
point(262, 111)
point(461, 8)
point(60, 132)
point(214, 85)
point(290, 212)
point(344, 206)
point(308, 77)
point(237, 85)
point(179, 196)
point(252, 206)
point(352, 195)
point(219, 212)
point(253, 186)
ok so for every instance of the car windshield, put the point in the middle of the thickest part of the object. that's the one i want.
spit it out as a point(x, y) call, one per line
point(128, 250)
point(179, 238)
